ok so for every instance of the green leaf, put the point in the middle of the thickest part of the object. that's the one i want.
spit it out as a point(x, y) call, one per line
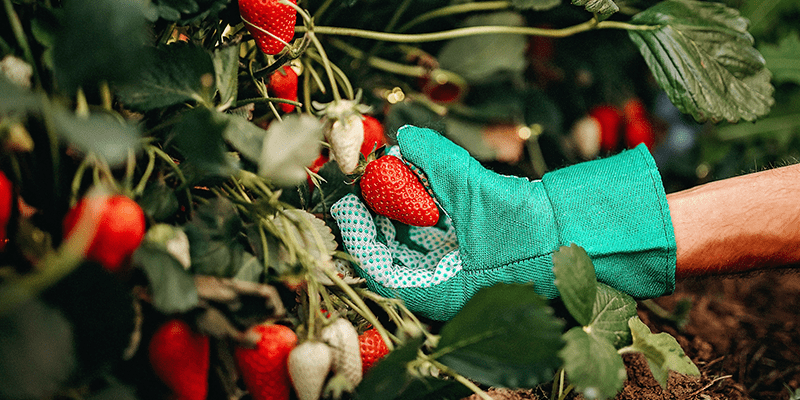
point(101, 40)
point(592, 364)
point(98, 133)
point(576, 281)
point(226, 66)
point(612, 310)
point(479, 58)
point(504, 336)
point(243, 136)
point(602, 8)
point(250, 270)
point(187, 11)
point(662, 351)
point(159, 201)
point(171, 286)
point(199, 136)
point(536, 5)
point(701, 54)
point(289, 147)
point(181, 72)
point(213, 238)
point(389, 378)
point(783, 59)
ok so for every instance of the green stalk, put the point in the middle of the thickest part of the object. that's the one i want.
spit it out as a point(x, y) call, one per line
point(477, 30)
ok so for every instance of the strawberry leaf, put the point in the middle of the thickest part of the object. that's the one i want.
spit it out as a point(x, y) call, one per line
point(98, 133)
point(662, 351)
point(172, 287)
point(226, 66)
point(602, 8)
point(504, 336)
point(599, 377)
point(187, 11)
point(181, 72)
point(103, 40)
point(701, 54)
point(612, 310)
point(289, 146)
point(199, 137)
point(783, 59)
point(576, 281)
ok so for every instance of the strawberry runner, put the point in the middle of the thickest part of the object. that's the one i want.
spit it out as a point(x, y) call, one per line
point(505, 229)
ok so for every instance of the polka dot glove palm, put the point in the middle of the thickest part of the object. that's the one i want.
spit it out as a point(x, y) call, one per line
point(505, 229)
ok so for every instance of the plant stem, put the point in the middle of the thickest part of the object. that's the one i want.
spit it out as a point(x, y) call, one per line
point(460, 379)
point(477, 30)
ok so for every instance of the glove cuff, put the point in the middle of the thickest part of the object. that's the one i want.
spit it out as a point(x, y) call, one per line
point(616, 209)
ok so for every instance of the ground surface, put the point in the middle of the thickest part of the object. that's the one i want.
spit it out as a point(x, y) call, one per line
point(742, 332)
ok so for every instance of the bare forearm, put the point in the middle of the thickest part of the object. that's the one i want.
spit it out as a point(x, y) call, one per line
point(738, 224)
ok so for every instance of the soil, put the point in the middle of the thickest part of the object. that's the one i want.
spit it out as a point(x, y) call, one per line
point(741, 332)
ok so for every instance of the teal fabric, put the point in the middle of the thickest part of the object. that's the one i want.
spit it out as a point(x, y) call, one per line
point(508, 227)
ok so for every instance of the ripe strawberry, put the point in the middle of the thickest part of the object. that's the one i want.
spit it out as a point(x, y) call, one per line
point(342, 337)
point(346, 137)
point(283, 84)
point(6, 204)
point(373, 135)
point(270, 22)
point(610, 120)
point(119, 232)
point(180, 357)
point(309, 364)
point(372, 348)
point(638, 128)
point(390, 188)
point(264, 369)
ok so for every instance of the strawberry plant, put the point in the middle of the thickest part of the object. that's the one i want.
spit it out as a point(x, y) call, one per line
point(194, 148)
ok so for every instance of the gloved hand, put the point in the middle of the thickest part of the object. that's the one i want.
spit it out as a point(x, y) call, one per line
point(507, 228)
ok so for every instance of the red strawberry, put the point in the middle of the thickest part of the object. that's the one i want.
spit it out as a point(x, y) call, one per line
point(270, 22)
point(390, 188)
point(264, 369)
point(610, 120)
point(373, 135)
point(372, 348)
point(283, 84)
point(6, 203)
point(119, 232)
point(180, 357)
point(309, 364)
point(638, 128)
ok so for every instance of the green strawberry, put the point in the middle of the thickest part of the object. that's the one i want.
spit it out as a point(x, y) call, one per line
point(264, 369)
point(390, 188)
point(270, 22)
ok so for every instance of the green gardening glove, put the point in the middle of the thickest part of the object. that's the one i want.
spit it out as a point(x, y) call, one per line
point(507, 227)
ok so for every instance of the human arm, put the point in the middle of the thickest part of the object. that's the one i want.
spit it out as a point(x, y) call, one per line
point(738, 224)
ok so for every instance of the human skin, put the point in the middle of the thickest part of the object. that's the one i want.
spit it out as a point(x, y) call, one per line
point(740, 224)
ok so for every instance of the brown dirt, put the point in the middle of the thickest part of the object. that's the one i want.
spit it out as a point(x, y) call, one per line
point(742, 332)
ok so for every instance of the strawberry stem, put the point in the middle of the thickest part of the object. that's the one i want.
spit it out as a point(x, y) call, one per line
point(455, 9)
point(477, 30)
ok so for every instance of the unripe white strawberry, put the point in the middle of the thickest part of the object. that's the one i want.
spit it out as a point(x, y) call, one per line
point(345, 137)
point(309, 364)
point(342, 337)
